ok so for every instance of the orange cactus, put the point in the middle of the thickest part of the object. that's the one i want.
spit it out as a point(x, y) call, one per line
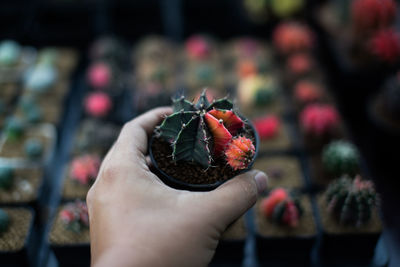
point(231, 122)
point(268, 204)
point(239, 153)
point(220, 134)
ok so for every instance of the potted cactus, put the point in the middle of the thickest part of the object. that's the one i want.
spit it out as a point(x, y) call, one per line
point(82, 173)
point(338, 158)
point(359, 42)
point(20, 186)
point(319, 123)
point(350, 223)
point(69, 235)
point(285, 227)
point(202, 144)
point(16, 228)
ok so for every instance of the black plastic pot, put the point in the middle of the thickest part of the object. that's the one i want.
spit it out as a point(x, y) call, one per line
point(229, 251)
point(23, 256)
point(175, 183)
point(72, 254)
point(291, 249)
point(348, 246)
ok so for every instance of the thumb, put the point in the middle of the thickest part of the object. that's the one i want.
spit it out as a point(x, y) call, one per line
point(232, 199)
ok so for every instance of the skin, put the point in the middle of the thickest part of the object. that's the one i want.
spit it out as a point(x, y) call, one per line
point(136, 220)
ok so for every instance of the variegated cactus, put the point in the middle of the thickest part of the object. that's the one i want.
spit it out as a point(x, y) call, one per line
point(201, 132)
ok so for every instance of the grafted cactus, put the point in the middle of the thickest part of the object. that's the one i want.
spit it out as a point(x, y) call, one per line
point(282, 207)
point(75, 216)
point(200, 132)
point(351, 201)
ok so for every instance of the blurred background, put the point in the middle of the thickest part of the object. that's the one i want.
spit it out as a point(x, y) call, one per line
point(319, 81)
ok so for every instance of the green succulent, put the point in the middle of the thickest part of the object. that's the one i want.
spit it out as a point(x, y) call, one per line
point(341, 157)
point(6, 177)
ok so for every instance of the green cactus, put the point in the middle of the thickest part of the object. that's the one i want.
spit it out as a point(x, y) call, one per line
point(6, 177)
point(34, 148)
point(4, 221)
point(351, 201)
point(200, 132)
point(340, 157)
point(14, 128)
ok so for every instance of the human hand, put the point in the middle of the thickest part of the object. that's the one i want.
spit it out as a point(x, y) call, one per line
point(136, 220)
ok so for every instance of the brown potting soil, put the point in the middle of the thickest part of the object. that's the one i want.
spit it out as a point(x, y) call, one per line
point(14, 238)
point(319, 175)
point(331, 226)
point(281, 170)
point(25, 187)
point(236, 231)
point(189, 172)
point(59, 235)
point(268, 228)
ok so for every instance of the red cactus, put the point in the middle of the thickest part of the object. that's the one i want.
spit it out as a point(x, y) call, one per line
point(246, 68)
point(220, 134)
point(267, 126)
point(292, 37)
point(198, 47)
point(319, 119)
point(231, 122)
point(84, 169)
point(99, 75)
point(307, 91)
point(75, 215)
point(239, 153)
point(279, 199)
point(268, 204)
point(98, 104)
point(373, 14)
point(299, 63)
point(385, 45)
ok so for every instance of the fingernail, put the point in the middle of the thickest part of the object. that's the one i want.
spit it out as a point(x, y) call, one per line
point(261, 181)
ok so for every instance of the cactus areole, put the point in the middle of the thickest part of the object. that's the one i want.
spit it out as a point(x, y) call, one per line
point(204, 143)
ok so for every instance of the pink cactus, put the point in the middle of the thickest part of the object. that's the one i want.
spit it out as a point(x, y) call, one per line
point(319, 119)
point(198, 47)
point(385, 45)
point(370, 15)
point(267, 127)
point(84, 169)
point(98, 104)
point(306, 91)
point(292, 37)
point(299, 64)
point(99, 75)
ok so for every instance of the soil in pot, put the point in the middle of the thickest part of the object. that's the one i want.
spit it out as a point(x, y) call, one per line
point(347, 241)
point(281, 170)
point(275, 241)
point(15, 243)
point(71, 248)
point(25, 187)
point(188, 172)
point(15, 237)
